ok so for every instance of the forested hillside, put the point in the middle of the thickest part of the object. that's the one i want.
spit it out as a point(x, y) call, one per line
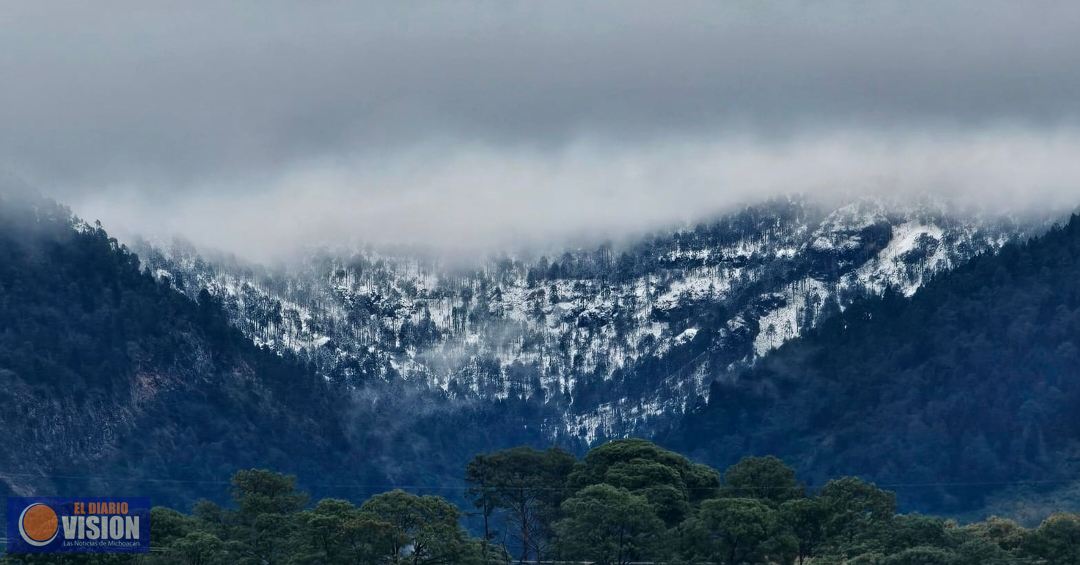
point(111, 377)
point(616, 339)
point(111, 381)
point(107, 374)
point(970, 386)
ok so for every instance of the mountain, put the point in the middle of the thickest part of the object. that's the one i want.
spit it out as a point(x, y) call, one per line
point(905, 345)
point(612, 341)
point(108, 375)
point(969, 386)
point(112, 381)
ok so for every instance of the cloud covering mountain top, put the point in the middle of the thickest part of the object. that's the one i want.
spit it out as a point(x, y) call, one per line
point(461, 124)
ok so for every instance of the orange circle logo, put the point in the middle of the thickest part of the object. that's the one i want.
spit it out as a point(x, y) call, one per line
point(38, 524)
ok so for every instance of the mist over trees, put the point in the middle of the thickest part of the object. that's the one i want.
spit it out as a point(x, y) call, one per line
point(188, 399)
point(971, 382)
point(606, 341)
point(128, 375)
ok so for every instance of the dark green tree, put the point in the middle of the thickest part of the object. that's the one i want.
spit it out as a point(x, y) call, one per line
point(480, 474)
point(805, 519)
point(198, 548)
point(336, 531)
point(1056, 540)
point(528, 485)
point(609, 526)
point(265, 503)
point(764, 478)
point(1002, 532)
point(738, 530)
point(425, 530)
point(852, 506)
point(671, 482)
point(258, 491)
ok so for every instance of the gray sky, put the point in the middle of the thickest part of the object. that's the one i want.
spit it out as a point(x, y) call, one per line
point(260, 126)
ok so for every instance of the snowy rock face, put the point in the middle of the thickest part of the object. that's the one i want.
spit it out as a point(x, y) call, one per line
point(606, 342)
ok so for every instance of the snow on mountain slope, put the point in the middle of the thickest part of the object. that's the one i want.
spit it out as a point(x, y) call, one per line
point(608, 341)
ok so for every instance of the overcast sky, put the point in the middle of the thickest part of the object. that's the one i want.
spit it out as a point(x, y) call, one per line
point(258, 126)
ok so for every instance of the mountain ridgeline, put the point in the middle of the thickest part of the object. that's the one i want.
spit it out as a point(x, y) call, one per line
point(107, 374)
point(901, 346)
point(970, 385)
point(112, 381)
point(606, 342)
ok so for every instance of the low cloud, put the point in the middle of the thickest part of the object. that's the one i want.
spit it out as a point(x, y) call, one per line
point(261, 126)
point(480, 198)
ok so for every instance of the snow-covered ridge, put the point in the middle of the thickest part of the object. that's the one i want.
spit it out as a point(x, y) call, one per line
point(610, 340)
